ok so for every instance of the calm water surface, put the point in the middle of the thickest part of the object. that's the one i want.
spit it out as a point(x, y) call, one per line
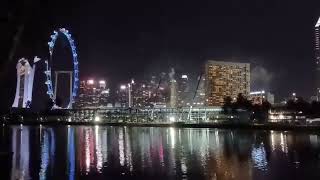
point(100, 152)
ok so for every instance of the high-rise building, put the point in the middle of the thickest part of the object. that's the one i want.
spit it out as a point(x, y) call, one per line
point(173, 89)
point(317, 56)
point(225, 79)
point(183, 91)
point(141, 95)
point(122, 96)
point(159, 88)
point(93, 94)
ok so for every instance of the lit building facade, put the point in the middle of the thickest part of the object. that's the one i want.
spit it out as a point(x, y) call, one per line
point(142, 93)
point(154, 92)
point(122, 96)
point(25, 76)
point(257, 97)
point(159, 89)
point(183, 91)
point(93, 94)
point(225, 79)
point(317, 56)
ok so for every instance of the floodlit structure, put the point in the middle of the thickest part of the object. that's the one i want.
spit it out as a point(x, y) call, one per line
point(226, 79)
point(173, 89)
point(317, 56)
point(25, 76)
point(257, 97)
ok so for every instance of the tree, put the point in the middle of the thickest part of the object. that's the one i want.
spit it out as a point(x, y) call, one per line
point(227, 106)
point(242, 103)
point(315, 108)
point(299, 105)
point(265, 106)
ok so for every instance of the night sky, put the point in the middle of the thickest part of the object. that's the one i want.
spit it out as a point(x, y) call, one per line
point(124, 39)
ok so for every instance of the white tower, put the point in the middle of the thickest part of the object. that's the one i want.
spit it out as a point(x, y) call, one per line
point(317, 56)
point(25, 75)
point(173, 89)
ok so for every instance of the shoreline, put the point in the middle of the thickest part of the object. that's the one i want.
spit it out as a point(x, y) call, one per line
point(277, 127)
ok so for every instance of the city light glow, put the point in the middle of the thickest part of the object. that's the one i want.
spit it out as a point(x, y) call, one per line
point(172, 119)
point(90, 81)
point(97, 119)
point(184, 76)
point(257, 92)
point(123, 87)
point(102, 82)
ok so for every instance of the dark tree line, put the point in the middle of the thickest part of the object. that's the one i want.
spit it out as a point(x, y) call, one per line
point(304, 107)
point(260, 111)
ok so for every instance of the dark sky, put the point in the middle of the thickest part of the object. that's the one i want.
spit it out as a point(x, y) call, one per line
point(123, 39)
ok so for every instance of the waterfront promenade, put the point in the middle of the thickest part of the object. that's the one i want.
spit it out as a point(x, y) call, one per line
point(209, 117)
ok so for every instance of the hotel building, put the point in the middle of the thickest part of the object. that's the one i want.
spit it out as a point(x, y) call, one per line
point(225, 79)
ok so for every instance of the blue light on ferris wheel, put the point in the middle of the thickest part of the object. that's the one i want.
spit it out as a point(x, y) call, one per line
point(48, 82)
point(50, 44)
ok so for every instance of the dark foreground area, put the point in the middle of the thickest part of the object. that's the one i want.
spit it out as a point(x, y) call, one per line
point(121, 152)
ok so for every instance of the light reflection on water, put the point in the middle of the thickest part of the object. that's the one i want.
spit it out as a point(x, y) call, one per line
point(122, 152)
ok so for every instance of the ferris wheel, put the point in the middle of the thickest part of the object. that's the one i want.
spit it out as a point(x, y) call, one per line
point(74, 74)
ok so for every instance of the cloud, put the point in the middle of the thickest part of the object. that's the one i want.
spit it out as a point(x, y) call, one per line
point(261, 78)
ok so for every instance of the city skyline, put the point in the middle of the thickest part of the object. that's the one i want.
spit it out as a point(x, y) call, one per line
point(120, 44)
point(161, 89)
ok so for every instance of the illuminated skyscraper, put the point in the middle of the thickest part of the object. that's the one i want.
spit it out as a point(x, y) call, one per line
point(183, 93)
point(173, 89)
point(317, 55)
point(93, 94)
point(226, 79)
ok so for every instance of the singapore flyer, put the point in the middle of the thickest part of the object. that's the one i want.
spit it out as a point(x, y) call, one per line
point(74, 74)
